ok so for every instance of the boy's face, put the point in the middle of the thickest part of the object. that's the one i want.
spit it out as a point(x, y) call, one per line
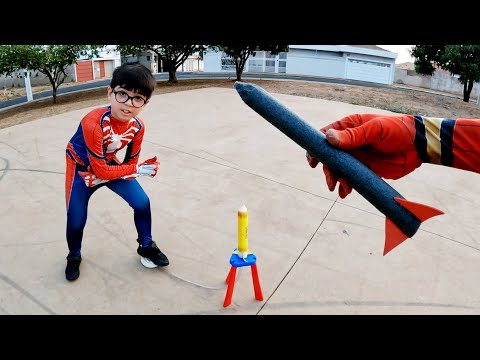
point(125, 104)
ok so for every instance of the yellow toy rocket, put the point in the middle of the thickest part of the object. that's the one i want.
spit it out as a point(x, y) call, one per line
point(242, 249)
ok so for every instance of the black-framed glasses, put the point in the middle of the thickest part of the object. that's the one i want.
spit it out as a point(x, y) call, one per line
point(122, 97)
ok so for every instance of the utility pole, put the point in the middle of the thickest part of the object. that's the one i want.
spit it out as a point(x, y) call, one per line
point(28, 87)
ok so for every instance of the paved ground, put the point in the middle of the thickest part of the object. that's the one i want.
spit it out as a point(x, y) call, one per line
point(316, 253)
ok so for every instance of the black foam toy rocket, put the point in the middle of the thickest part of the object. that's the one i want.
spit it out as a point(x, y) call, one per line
point(403, 217)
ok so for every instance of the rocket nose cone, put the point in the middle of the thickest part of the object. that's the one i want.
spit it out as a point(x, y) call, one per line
point(247, 90)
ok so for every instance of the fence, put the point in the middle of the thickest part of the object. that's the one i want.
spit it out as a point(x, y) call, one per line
point(36, 79)
point(439, 81)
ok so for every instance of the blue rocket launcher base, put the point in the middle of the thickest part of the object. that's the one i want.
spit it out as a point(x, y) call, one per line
point(403, 217)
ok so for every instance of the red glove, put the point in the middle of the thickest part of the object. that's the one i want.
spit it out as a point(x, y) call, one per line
point(384, 143)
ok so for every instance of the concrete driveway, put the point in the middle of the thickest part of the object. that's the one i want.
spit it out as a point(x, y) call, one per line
point(316, 253)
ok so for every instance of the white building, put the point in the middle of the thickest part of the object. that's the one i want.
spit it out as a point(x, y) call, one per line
point(354, 62)
point(98, 67)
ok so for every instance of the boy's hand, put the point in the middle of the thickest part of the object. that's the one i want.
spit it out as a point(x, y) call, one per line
point(90, 178)
point(148, 167)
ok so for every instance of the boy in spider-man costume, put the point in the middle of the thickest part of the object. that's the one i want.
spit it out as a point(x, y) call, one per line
point(392, 146)
point(91, 163)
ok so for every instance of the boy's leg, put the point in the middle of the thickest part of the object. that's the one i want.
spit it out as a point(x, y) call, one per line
point(77, 196)
point(132, 192)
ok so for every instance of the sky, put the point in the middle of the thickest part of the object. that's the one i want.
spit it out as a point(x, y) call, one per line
point(401, 50)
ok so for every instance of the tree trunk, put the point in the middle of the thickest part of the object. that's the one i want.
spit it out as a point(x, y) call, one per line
point(169, 67)
point(239, 75)
point(172, 75)
point(239, 66)
point(54, 89)
point(467, 90)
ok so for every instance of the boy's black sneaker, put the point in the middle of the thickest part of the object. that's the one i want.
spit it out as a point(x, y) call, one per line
point(151, 256)
point(72, 271)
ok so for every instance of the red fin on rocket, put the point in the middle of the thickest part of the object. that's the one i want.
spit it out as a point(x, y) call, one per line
point(393, 235)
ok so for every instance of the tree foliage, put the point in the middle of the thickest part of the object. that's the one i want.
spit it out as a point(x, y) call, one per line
point(50, 60)
point(461, 60)
point(170, 57)
point(241, 52)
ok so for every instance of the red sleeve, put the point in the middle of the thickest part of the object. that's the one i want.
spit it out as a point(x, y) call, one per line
point(93, 135)
point(465, 146)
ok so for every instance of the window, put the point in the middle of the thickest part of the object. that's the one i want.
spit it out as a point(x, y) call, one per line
point(269, 65)
point(367, 62)
point(228, 63)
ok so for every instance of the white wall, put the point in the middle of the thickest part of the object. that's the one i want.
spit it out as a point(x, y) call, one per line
point(192, 63)
point(440, 81)
point(212, 61)
point(36, 79)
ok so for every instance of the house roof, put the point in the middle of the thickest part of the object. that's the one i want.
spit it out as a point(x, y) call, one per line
point(356, 49)
point(406, 66)
point(411, 66)
point(373, 47)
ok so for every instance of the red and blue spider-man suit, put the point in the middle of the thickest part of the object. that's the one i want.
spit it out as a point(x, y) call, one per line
point(93, 149)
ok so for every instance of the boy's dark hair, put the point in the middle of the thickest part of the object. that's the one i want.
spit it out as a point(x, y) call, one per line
point(134, 77)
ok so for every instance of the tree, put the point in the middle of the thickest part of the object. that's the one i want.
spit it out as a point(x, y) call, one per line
point(170, 56)
point(241, 52)
point(461, 60)
point(50, 60)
